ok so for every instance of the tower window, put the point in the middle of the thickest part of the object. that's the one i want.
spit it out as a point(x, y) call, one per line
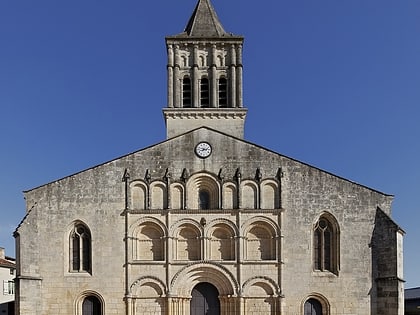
point(222, 92)
point(186, 92)
point(204, 92)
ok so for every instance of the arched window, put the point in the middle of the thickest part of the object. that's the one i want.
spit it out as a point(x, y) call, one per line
point(80, 249)
point(223, 92)
point(203, 200)
point(149, 242)
point(312, 307)
point(222, 243)
point(326, 245)
point(260, 243)
point(204, 93)
point(186, 92)
point(91, 306)
point(188, 243)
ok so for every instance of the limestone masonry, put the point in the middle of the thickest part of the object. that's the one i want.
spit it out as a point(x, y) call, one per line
point(206, 222)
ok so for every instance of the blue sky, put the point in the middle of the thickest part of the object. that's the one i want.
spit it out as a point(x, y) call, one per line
point(335, 84)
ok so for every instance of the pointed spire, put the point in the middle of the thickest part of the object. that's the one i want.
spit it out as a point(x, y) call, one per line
point(204, 21)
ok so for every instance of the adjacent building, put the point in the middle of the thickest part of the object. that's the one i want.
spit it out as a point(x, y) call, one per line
point(412, 301)
point(7, 276)
point(206, 222)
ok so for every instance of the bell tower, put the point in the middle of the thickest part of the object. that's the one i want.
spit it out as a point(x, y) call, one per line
point(204, 76)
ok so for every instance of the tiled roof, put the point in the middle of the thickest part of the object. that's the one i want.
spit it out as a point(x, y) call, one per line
point(6, 263)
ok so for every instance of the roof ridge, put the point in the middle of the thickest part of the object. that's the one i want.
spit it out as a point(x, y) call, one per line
point(204, 21)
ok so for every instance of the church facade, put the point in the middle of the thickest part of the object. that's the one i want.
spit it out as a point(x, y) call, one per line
point(206, 222)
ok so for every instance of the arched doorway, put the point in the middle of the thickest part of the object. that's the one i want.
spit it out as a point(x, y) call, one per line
point(205, 300)
point(91, 306)
point(313, 307)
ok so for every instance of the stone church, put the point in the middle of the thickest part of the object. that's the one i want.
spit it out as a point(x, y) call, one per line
point(206, 222)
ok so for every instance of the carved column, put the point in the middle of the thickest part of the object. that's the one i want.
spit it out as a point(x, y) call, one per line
point(232, 85)
point(170, 76)
point(213, 86)
point(195, 79)
point(239, 76)
point(177, 80)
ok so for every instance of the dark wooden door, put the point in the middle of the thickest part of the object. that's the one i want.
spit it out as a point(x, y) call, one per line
point(205, 300)
point(91, 306)
point(313, 307)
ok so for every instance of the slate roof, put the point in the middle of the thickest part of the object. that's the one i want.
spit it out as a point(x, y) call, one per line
point(413, 293)
point(204, 21)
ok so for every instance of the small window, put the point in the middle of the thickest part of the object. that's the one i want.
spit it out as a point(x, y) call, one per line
point(222, 92)
point(186, 92)
point(204, 200)
point(204, 93)
point(80, 245)
point(8, 287)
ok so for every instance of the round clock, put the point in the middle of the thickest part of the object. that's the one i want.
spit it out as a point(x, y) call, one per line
point(203, 149)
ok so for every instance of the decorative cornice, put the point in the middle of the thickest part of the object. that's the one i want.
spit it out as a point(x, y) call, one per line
point(207, 113)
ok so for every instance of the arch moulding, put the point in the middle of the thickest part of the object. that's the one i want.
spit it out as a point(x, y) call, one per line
point(188, 277)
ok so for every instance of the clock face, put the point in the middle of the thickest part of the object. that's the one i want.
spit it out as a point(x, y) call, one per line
point(203, 149)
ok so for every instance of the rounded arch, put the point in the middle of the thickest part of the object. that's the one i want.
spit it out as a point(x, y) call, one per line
point(147, 219)
point(97, 300)
point(307, 303)
point(272, 226)
point(202, 60)
point(158, 195)
point(265, 287)
point(173, 230)
point(269, 194)
point(184, 58)
point(177, 196)
point(220, 236)
point(148, 242)
point(188, 277)
point(202, 182)
point(148, 287)
point(230, 195)
point(187, 241)
point(138, 194)
point(249, 194)
point(220, 60)
point(223, 221)
point(260, 239)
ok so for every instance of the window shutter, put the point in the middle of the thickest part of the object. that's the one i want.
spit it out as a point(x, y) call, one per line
point(5, 287)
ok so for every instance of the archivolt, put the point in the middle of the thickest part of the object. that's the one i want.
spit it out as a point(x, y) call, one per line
point(247, 225)
point(152, 282)
point(268, 284)
point(189, 276)
point(138, 222)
